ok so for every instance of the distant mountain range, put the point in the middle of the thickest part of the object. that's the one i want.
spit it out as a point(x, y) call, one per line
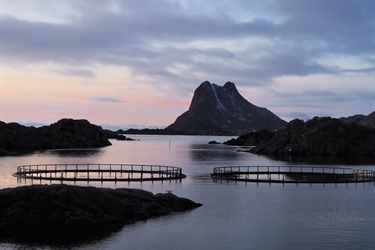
point(215, 109)
point(112, 127)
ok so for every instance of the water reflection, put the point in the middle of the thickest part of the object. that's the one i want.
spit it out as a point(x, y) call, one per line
point(74, 152)
point(40, 237)
point(209, 152)
point(325, 160)
point(283, 216)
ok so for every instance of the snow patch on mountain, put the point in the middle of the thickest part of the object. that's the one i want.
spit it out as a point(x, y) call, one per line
point(218, 102)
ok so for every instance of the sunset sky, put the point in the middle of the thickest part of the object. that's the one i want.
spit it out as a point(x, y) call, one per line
point(139, 62)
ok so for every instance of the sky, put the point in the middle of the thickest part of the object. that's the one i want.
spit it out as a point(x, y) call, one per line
point(138, 62)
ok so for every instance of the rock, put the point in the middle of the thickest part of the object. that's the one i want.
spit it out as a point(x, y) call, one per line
point(65, 210)
point(213, 142)
point(368, 121)
point(4, 152)
point(122, 138)
point(66, 133)
point(318, 136)
point(252, 139)
point(215, 109)
point(113, 135)
point(354, 118)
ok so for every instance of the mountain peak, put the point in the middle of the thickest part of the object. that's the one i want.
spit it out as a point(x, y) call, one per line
point(222, 108)
point(229, 85)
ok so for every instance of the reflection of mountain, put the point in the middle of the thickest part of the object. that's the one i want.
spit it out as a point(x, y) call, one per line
point(320, 177)
point(75, 152)
point(209, 152)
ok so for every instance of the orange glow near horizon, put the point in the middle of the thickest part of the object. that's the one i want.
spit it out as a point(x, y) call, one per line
point(42, 97)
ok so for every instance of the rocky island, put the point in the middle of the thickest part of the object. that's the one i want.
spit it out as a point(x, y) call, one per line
point(64, 212)
point(66, 133)
point(318, 136)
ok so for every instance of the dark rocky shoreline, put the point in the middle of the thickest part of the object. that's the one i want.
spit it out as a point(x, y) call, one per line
point(65, 213)
point(318, 136)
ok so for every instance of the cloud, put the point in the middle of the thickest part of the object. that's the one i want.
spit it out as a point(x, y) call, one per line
point(106, 99)
point(362, 70)
point(173, 46)
point(76, 72)
point(151, 39)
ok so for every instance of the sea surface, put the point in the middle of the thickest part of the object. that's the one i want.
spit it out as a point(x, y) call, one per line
point(234, 215)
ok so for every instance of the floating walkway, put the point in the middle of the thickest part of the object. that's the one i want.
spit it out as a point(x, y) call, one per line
point(98, 172)
point(292, 174)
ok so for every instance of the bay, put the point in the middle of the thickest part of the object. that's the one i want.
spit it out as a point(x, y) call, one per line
point(234, 215)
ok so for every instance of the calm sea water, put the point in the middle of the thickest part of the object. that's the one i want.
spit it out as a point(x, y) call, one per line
point(233, 215)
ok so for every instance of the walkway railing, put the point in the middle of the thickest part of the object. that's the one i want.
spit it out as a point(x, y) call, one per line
point(292, 174)
point(99, 172)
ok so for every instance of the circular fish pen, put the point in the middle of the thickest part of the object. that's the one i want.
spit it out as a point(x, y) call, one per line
point(98, 172)
point(292, 174)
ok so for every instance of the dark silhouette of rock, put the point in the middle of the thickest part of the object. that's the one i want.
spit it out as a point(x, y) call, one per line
point(64, 211)
point(252, 139)
point(113, 135)
point(123, 138)
point(368, 121)
point(318, 136)
point(354, 118)
point(66, 133)
point(118, 135)
point(215, 108)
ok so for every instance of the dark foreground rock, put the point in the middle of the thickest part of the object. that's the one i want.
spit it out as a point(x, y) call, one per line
point(67, 213)
point(318, 136)
point(66, 133)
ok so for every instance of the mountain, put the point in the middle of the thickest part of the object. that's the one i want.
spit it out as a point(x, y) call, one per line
point(354, 118)
point(368, 121)
point(216, 109)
